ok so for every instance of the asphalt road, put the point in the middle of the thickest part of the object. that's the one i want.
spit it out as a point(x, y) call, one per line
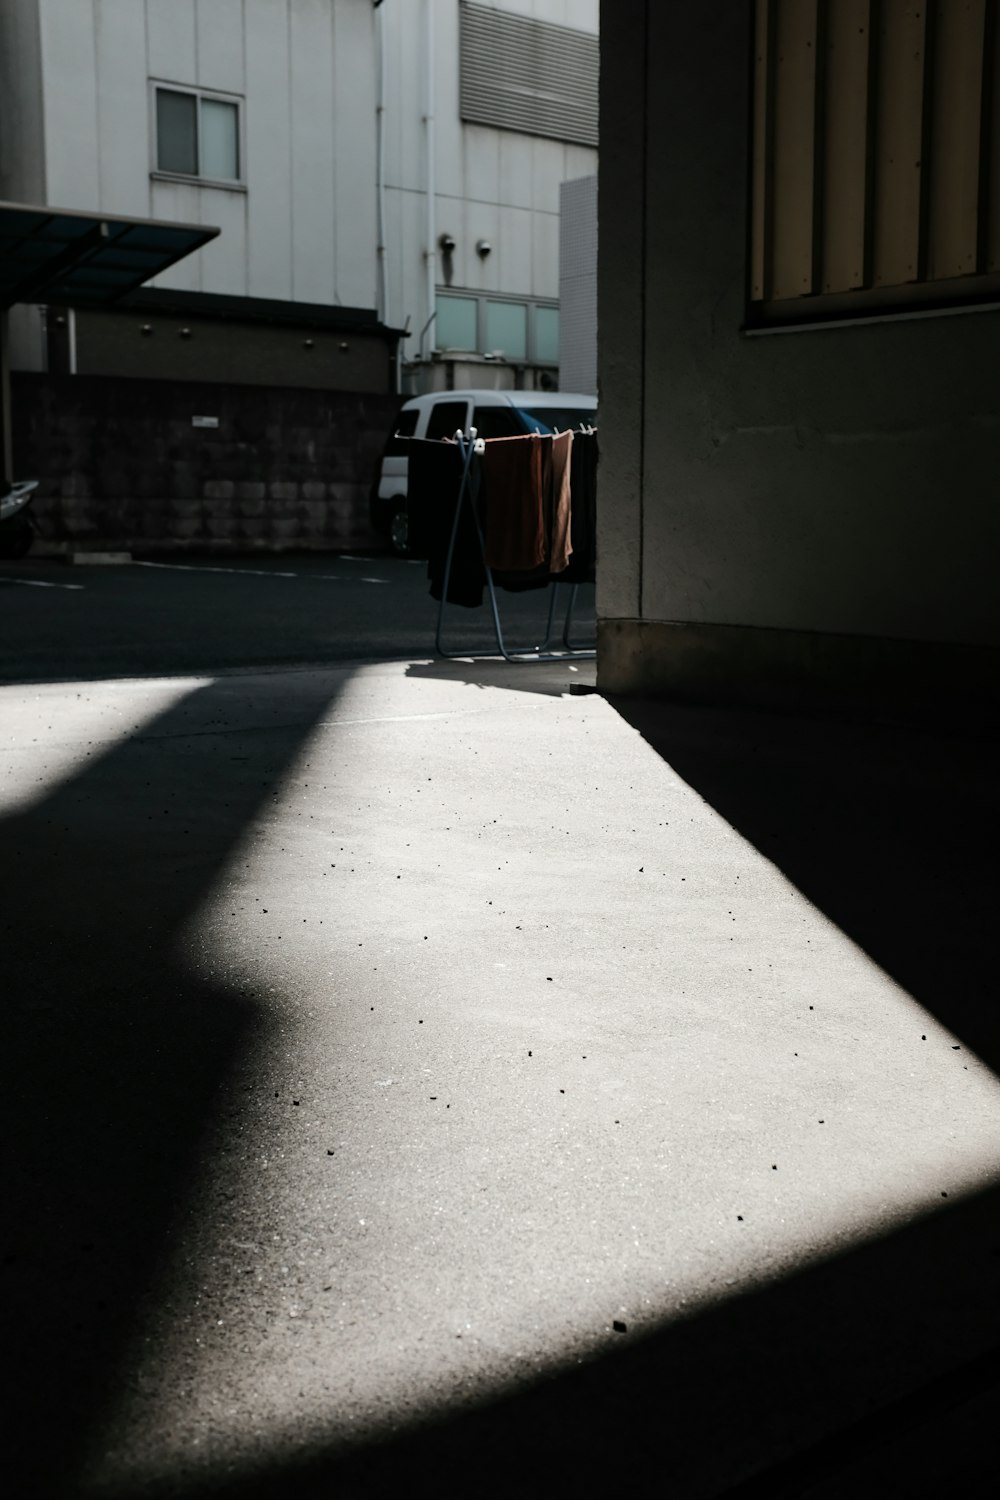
point(149, 618)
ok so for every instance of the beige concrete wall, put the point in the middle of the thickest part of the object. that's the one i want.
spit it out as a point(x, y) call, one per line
point(150, 345)
point(839, 480)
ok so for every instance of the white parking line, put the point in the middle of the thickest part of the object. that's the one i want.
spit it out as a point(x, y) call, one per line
point(239, 572)
point(38, 583)
point(199, 568)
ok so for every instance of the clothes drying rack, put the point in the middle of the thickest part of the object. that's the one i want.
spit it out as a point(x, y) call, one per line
point(470, 447)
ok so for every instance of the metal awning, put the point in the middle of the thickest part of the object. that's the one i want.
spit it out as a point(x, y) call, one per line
point(85, 259)
point(77, 260)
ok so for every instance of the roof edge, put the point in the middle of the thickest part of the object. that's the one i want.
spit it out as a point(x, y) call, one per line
point(256, 310)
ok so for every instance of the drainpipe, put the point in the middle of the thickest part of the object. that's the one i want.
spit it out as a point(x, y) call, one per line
point(6, 430)
point(382, 282)
point(431, 252)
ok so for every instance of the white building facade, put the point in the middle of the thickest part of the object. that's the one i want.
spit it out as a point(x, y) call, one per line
point(401, 158)
point(257, 116)
point(488, 109)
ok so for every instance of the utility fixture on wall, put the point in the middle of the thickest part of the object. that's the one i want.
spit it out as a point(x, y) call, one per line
point(483, 248)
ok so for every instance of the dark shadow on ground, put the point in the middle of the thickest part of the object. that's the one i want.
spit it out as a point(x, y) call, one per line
point(893, 834)
point(91, 623)
point(113, 1054)
point(550, 679)
point(551, 618)
point(871, 1373)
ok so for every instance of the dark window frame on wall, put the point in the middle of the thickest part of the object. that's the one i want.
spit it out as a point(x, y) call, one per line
point(188, 160)
point(874, 160)
point(500, 300)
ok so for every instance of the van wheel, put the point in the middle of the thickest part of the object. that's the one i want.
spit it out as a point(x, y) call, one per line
point(399, 530)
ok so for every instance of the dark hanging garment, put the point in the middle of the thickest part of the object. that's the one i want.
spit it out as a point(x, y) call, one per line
point(583, 513)
point(434, 477)
point(536, 505)
point(430, 490)
point(513, 502)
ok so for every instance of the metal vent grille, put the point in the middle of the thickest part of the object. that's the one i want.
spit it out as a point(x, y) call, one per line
point(532, 76)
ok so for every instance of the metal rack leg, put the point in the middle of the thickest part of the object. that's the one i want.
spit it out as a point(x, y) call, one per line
point(466, 452)
point(553, 591)
point(584, 652)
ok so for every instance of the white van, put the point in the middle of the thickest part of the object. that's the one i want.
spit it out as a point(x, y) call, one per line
point(442, 414)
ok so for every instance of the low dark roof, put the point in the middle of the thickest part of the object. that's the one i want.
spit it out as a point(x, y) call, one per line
point(334, 316)
point(85, 259)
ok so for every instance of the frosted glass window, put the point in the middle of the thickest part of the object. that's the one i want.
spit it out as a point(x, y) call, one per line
point(547, 335)
point(220, 140)
point(507, 329)
point(455, 324)
point(176, 132)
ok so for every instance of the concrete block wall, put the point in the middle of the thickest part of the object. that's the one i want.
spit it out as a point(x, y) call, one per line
point(122, 465)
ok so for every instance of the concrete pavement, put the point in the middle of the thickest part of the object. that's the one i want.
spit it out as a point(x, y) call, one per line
point(423, 1073)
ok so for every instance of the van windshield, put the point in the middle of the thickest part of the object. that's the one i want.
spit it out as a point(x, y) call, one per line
point(554, 418)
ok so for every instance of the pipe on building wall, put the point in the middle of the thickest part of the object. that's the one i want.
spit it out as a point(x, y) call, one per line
point(431, 252)
point(382, 274)
point(6, 457)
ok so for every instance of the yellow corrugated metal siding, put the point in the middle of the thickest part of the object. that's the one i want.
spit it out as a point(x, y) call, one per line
point(876, 148)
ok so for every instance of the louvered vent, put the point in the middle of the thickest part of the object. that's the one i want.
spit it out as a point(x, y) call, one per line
point(520, 74)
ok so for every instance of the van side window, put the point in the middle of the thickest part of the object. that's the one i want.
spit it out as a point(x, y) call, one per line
point(447, 418)
point(496, 422)
point(406, 423)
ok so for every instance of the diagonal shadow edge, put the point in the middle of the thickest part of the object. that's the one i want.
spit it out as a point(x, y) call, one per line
point(761, 1395)
point(891, 833)
point(114, 1050)
point(782, 1385)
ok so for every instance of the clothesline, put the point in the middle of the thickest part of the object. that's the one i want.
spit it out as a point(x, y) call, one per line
point(522, 517)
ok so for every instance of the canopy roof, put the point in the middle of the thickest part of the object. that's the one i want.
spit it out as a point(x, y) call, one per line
point(85, 259)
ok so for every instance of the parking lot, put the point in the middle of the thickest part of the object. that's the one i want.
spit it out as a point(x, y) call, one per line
point(191, 614)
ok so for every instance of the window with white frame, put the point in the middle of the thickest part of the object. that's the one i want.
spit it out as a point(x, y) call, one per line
point(197, 134)
point(520, 330)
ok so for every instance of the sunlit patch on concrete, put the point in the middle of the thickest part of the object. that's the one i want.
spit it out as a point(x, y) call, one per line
point(548, 1046)
point(49, 732)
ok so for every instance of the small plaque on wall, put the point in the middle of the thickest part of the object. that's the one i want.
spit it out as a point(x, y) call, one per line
point(204, 421)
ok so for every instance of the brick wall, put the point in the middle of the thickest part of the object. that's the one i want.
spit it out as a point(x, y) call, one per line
point(121, 464)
